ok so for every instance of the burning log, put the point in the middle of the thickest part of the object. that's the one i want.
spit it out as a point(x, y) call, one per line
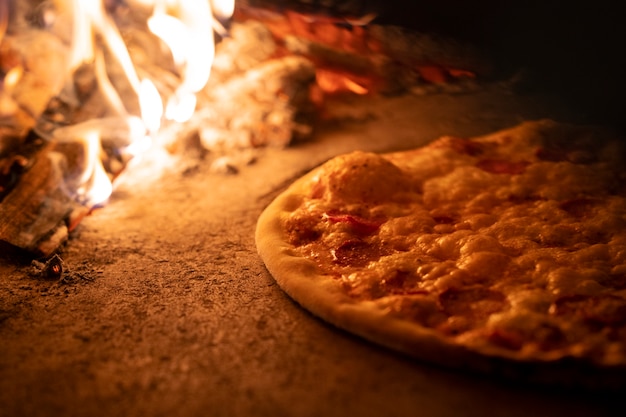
point(253, 100)
point(32, 65)
point(37, 214)
point(275, 96)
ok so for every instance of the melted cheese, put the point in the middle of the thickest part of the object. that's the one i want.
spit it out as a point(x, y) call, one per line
point(549, 237)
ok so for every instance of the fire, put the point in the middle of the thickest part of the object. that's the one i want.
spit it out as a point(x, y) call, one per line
point(186, 27)
point(96, 186)
point(151, 106)
point(190, 38)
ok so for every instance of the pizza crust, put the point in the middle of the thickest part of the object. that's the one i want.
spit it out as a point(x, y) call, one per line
point(323, 295)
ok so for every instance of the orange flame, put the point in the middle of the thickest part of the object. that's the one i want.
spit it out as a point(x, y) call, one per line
point(190, 38)
point(185, 26)
point(96, 187)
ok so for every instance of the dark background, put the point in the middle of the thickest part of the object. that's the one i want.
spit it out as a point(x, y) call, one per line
point(575, 49)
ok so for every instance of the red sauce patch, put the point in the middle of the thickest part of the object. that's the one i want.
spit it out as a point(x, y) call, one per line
point(358, 225)
point(501, 166)
point(356, 253)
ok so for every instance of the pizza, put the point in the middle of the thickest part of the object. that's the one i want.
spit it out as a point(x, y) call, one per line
point(504, 253)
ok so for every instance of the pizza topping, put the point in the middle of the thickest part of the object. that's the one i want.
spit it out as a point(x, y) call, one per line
point(357, 224)
point(534, 300)
point(600, 310)
point(303, 229)
point(402, 282)
point(485, 265)
point(360, 177)
point(506, 339)
point(418, 307)
point(507, 241)
point(578, 207)
point(514, 329)
point(356, 253)
point(476, 302)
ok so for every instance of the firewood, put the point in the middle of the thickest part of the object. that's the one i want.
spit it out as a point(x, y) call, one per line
point(43, 60)
point(34, 213)
point(275, 96)
point(273, 91)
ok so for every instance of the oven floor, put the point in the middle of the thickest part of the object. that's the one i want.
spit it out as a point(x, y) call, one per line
point(168, 310)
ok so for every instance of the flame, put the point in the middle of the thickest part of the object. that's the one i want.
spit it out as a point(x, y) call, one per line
point(223, 9)
point(151, 106)
point(190, 38)
point(186, 27)
point(90, 18)
point(96, 186)
point(181, 106)
point(106, 87)
point(140, 142)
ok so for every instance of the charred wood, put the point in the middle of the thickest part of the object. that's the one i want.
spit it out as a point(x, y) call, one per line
point(37, 214)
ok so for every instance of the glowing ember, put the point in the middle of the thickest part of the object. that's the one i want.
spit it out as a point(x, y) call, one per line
point(332, 82)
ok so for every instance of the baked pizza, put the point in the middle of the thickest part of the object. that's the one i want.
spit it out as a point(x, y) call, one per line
point(504, 253)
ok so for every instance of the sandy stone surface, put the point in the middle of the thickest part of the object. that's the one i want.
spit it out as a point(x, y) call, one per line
point(167, 310)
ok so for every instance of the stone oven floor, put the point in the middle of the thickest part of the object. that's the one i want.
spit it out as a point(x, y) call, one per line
point(169, 311)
